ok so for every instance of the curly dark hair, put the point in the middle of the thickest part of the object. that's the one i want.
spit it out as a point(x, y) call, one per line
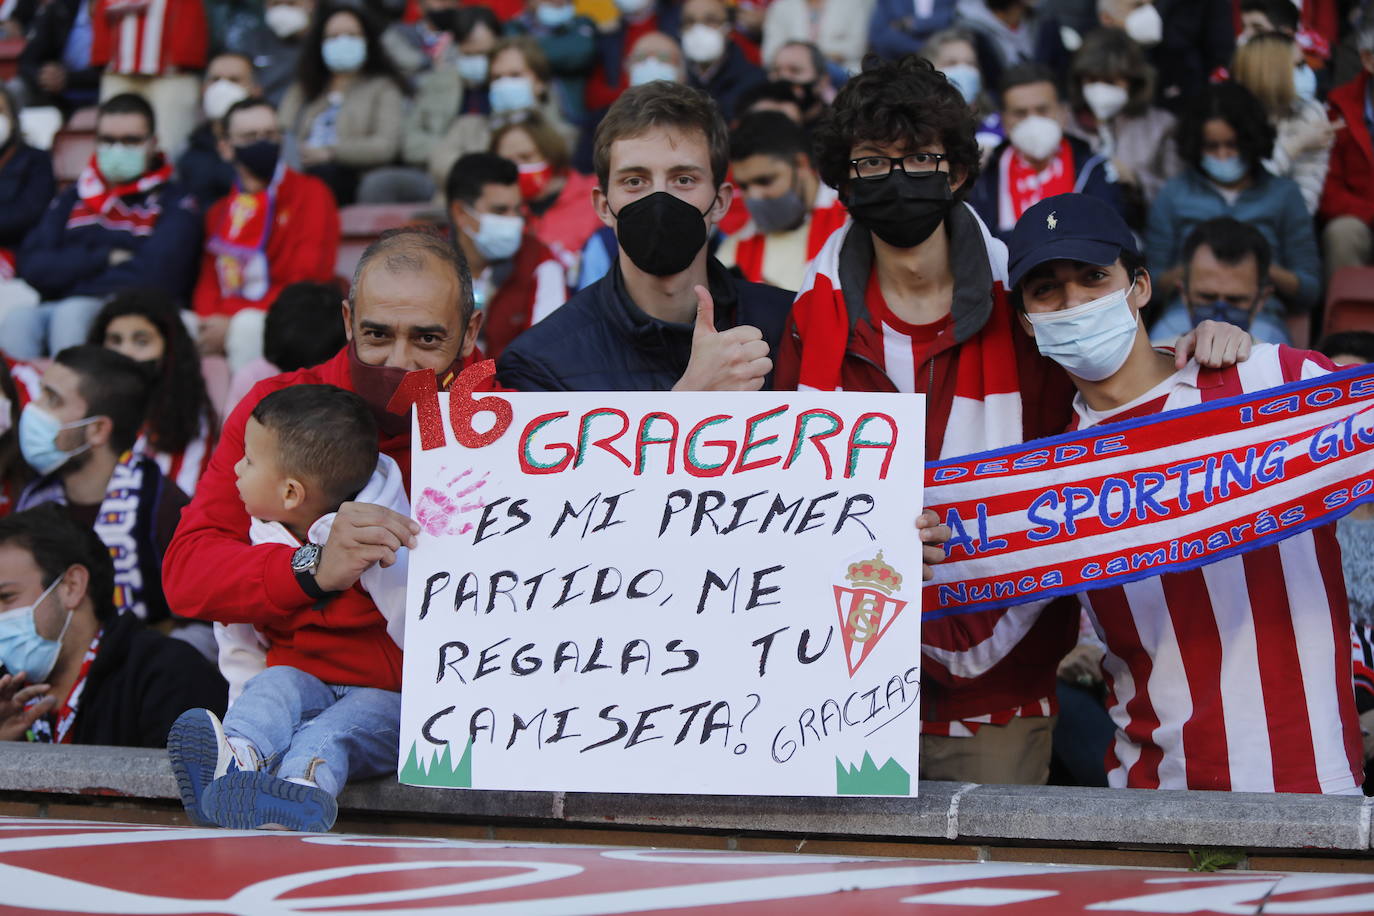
point(179, 406)
point(1237, 106)
point(906, 101)
point(314, 76)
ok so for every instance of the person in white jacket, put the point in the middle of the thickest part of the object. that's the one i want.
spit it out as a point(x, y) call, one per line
point(312, 708)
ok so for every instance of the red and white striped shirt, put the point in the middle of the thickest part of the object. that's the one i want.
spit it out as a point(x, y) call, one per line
point(149, 37)
point(1237, 675)
point(780, 258)
point(185, 467)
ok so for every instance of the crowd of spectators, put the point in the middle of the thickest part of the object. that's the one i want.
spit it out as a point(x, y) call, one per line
point(632, 196)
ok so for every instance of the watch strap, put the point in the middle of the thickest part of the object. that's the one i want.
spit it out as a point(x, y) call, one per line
point(310, 586)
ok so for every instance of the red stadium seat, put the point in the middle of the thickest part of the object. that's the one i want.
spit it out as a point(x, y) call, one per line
point(70, 153)
point(371, 220)
point(10, 49)
point(1350, 301)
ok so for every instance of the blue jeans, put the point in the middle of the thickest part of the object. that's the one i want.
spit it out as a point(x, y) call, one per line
point(318, 731)
point(31, 332)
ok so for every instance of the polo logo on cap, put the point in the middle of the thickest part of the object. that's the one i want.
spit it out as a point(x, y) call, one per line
point(1051, 221)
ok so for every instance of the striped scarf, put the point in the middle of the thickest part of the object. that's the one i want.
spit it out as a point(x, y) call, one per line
point(98, 202)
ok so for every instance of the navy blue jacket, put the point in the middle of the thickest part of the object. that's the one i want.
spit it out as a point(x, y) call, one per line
point(894, 31)
point(1093, 175)
point(59, 262)
point(201, 170)
point(26, 188)
point(601, 341)
point(733, 76)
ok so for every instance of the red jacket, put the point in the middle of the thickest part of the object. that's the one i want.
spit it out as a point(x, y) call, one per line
point(1349, 189)
point(212, 572)
point(178, 27)
point(511, 309)
point(301, 247)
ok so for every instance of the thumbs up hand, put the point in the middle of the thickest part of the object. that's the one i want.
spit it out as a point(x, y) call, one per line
point(733, 360)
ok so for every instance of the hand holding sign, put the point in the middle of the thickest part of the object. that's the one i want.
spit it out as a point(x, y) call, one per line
point(732, 360)
point(363, 534)
point(933, 536)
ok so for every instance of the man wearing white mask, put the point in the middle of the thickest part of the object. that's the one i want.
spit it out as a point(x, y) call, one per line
point(275, 49)
point(73, 670)
point(715, 64)
point(655, 56)
point(1137, 18)
point(201, 169)
point(1038, 160)
point(516, 280)
point(1201, 664)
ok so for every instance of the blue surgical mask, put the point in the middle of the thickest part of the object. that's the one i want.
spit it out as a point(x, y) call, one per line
point(1304, 82)
point(1220, 310)
point(22, 650)
point(650, 69)
point(1224, 171)
point(511, 93)
point(38, 431)
point(552, 17)
point(344, 53)
point(967, 79)
point(121, 164)
point(497, 236)
point(1092, 340)
point(473, 68)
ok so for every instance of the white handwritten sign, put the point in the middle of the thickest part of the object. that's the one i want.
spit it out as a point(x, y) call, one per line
point(679, 593)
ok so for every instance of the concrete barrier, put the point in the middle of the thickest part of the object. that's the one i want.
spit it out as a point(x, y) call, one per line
point(42, 779)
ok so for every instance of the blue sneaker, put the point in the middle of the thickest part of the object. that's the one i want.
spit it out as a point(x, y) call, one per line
point(253, 799)
point(200, 754)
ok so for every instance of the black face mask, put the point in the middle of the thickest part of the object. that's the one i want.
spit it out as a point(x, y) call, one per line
point(662, 234)
point(901, 209)
point(443, 20)
point(259, 158)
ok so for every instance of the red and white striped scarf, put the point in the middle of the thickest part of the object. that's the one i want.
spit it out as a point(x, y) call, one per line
point(98, 202)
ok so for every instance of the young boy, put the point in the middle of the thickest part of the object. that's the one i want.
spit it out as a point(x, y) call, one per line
point(1232, 676)
point(326, 704)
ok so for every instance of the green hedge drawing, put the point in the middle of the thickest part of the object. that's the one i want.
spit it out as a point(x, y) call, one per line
point(870, 779)
point(439, 771)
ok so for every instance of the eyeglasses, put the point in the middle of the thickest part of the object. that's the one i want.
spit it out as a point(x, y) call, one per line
point(882, 166)
point(107, 140)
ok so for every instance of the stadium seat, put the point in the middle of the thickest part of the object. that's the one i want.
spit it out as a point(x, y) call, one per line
point(215, 369)
point(70, 153)
point(1350, 301)
point(10, 49)
point(73, 145)
point(367, 221)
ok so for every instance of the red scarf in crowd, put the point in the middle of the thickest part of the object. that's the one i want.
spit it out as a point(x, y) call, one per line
point(98, 202)
point(1023, 186)
point(239, 242)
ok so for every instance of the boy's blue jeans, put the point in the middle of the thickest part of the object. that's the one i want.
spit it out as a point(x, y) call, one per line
point(318, 731)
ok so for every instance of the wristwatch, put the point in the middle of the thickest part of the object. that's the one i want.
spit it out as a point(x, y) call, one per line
point(305, 563)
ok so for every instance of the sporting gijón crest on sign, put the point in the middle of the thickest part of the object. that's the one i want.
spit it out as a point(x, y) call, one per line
point(867, 609)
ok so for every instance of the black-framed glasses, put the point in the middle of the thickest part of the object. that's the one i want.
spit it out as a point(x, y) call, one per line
point(882, 166)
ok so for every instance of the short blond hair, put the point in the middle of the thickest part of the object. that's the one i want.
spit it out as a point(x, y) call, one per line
point(1264, 65)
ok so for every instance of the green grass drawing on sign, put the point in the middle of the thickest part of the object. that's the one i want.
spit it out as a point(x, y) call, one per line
point(870, 779)
point(439, 771)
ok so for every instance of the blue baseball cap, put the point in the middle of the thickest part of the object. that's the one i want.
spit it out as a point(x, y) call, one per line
point(1072, 227)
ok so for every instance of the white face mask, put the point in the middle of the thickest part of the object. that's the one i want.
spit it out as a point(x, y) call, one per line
point(473, 68)
point(650, 69)
point(1092, 340)
point(632, 7)
point(220, 96)
point(286, 20)
point(1145, 26)
point(703, 44)
point(1105, 99)
point(497, 235)
point(1037, 137)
